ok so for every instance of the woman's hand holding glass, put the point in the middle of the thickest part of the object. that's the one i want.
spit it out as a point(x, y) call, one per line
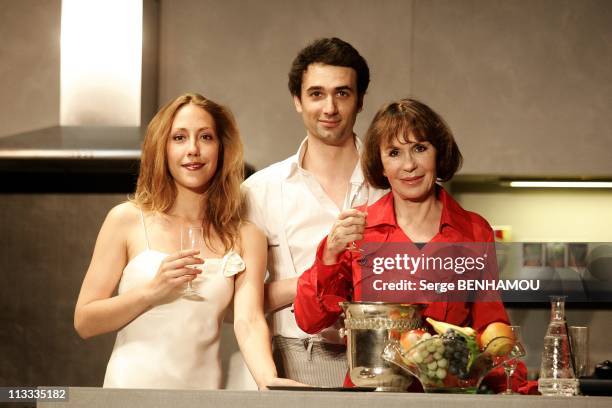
point(172, 275)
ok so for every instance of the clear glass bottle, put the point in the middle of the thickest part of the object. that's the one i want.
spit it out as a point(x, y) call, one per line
point(556, 371)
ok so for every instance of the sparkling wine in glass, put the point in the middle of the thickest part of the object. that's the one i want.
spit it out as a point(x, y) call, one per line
point(517, 352)
point(358, 201)
point(191, 238)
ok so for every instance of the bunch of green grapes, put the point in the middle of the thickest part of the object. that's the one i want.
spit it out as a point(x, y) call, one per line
point(429, 355)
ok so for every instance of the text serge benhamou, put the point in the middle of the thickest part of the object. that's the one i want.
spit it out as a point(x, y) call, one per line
point(460, 285)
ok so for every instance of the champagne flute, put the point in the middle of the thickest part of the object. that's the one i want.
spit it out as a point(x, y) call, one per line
point(517, 352)
point(191, 238)
point(359, 199)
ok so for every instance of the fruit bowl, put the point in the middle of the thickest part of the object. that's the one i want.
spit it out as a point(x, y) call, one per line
point(448, 363)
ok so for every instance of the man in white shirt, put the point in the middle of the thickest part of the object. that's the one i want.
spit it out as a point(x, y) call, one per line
point(296, 201)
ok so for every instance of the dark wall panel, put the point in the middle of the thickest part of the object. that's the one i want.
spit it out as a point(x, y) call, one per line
point(46, 242)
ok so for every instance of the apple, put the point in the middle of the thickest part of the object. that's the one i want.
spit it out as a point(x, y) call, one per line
point(497, 339)
point(395, 334)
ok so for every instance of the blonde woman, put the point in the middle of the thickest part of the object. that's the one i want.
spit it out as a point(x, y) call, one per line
point(190, 174)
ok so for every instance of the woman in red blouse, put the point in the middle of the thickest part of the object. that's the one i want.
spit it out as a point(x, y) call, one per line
point(408, 148)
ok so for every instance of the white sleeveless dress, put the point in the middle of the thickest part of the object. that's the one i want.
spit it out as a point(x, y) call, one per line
point(174, 345)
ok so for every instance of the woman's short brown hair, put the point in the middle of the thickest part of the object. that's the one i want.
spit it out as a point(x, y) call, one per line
point(155, 188)
point(399, 120)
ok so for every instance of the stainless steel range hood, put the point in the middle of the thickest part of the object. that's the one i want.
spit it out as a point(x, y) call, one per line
point(92, 131)
point(74, 142)
point(71, 150)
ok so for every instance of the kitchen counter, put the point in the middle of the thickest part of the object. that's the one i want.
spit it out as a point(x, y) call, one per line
point(98, 397)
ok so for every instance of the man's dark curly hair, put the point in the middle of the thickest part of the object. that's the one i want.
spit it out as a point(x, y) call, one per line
point(329, 51)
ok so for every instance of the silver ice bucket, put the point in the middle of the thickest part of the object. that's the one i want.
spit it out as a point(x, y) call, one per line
point(369, 326)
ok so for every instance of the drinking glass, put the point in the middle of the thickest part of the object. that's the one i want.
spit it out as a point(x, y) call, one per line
point(360, 199)
point(517, 352)
point(579, 340)
point(191, 238)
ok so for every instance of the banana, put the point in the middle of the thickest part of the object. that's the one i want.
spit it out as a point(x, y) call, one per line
point(443, 327)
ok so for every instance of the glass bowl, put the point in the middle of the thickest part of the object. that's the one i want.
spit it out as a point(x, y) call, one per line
point(447, 365)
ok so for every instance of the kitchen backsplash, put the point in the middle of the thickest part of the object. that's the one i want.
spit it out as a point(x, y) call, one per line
point(545, 215)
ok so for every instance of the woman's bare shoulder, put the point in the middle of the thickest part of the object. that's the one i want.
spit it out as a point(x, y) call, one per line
point(123, 224)
point(124, 215)
point(125, 211)
point(248, 230)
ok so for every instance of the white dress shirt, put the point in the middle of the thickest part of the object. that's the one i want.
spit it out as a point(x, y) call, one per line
point(290, 206)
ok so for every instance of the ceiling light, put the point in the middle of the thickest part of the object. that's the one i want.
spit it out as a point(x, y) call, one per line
point(561, 184)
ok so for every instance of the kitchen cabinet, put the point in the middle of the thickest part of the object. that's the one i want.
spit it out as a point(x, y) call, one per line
point(525, 85)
